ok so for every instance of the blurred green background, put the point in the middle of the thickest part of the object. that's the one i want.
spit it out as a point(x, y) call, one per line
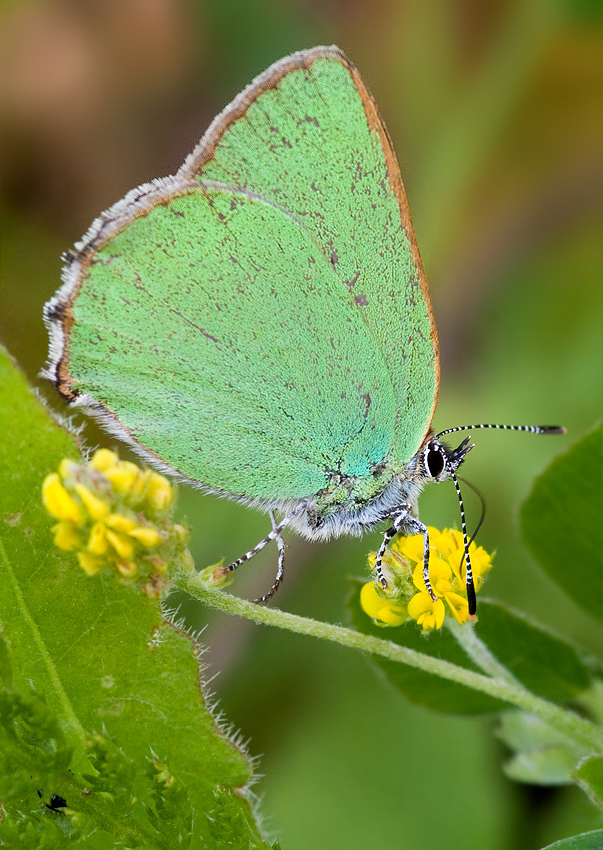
point(495, 111)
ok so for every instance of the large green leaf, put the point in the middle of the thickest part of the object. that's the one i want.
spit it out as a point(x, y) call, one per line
point(541, 754)
point(561, 521)
point(589, 776)
point(586, 841)
point(123, 684)
point(545, 663)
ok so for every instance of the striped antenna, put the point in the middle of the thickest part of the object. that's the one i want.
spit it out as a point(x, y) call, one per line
point(449, 461)
point(532, 429)
point(471, 597)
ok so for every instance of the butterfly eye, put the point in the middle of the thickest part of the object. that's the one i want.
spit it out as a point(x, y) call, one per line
point(434, 461)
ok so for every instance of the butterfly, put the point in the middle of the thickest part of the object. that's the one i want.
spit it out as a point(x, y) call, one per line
point(259, 324)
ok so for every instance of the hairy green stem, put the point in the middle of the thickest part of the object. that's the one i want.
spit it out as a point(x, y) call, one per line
point(478, 652)
point(497, 685)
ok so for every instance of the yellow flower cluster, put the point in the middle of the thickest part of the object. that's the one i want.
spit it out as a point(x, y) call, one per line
point(113, 514)
point(407, 598)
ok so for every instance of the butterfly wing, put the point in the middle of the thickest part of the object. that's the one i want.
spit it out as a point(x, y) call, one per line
point(260, 321)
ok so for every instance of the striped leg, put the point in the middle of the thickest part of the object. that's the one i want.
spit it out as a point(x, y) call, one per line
point(402, 513)
point(419, 528)
point(275, 534)
point(280, 572)
point(405, 519)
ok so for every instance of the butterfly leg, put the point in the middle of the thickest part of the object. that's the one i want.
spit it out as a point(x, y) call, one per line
point(275, 534)
point(403, 512)
point(280, 572)
point(404, 519)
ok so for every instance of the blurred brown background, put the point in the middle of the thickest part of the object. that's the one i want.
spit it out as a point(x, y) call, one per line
point(495, 110)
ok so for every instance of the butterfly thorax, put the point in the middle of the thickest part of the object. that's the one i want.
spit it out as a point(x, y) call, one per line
point(353, 505)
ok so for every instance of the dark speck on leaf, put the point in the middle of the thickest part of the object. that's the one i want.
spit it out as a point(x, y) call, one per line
point(361, 300)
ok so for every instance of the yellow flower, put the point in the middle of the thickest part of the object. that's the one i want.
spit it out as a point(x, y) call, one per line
point(67, 536)
point(148, 537)
point(113, 514)
point(121, 544)
point(95, 506)
point(127, 569)
point(385, 612)
point(90, 564)
point(124, 476)
point(428, 613)
point(446, 573)
point(104, 459)
point(446, 576)
point(59, 503)
point(159, 491)
point(118, 522)
point(97, 541)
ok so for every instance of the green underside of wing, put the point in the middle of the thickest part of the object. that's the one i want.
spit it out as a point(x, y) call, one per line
point(235, 374)
point(305, 145)
point(259, 345)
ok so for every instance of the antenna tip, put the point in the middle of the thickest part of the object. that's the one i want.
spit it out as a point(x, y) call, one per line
point(551, 429)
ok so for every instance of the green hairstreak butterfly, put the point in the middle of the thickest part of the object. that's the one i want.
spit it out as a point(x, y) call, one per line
point(259, 324)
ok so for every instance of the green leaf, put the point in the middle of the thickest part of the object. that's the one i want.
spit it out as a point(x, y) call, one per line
point(122, 683)
point(33, 748)
point(589, 776)
point(561, 522)
point(542, 756)
point(586, 841)
point(543, 662)
point(420, 687)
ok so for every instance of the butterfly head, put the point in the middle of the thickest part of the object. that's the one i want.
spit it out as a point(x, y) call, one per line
point(440, 461)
